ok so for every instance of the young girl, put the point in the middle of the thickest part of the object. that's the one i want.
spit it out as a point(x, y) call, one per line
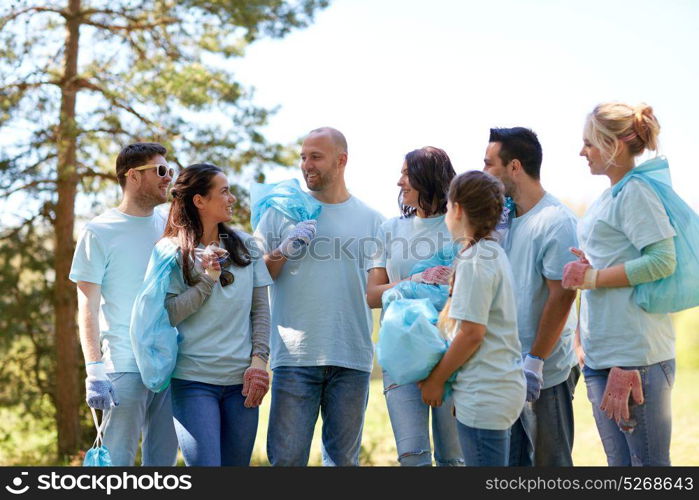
point(480, 319)
point(222, 315)
point(627, 239)
point(417, 234)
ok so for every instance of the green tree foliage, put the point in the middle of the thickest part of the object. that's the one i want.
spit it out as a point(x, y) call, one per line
point(78, 80)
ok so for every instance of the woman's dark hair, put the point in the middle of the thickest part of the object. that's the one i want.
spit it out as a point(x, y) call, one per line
point(429, 172)
point(184, 224)
point(481, 197)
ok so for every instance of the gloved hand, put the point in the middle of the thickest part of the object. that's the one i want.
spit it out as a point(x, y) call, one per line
point(620, 384)
point(437, 275)
point(579, 275)
point(211, 266)
point(98, 388)
point(533, 372)
point(298, 237)
point(255, 382)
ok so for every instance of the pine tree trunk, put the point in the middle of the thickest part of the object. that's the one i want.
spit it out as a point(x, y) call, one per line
point(68, 394)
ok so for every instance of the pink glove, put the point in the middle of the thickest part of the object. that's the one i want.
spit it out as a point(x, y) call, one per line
point(620, 384)
point(437, 275)
point(579, 275)
point(255, 386)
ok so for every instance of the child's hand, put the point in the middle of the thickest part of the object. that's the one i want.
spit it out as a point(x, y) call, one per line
point(432, 392)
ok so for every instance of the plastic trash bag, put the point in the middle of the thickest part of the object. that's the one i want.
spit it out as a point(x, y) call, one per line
point(287, 197)
point(410, 345)
point(436, 294)
point(153, 339)
point(680, 290)
point(98, 455)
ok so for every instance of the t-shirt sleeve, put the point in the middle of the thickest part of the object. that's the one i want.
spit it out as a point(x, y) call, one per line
point(272, 229)
point(89, 260)
point(260, 274)
point(555, 253)
point(642, 216)
point(473, 293)
point(376, 256)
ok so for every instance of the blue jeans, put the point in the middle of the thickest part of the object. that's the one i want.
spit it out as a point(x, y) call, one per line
point(410, 419)
point(543, 434)
point(140, 411)
point(484, 447)
point(298, 392)
point(213, 427)
point(648, 443)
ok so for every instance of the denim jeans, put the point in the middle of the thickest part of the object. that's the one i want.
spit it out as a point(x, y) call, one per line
point(213, 427)
point(298, 392)
point(410, 419)
point(543, 434)
point(484, 447)
point(140, 411)
point(648, 443)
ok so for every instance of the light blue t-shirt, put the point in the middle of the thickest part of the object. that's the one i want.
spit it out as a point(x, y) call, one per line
point(537, 245)
point(217, 339)
point(113, 251)
point(319, 310)
point(407, 241)
point(613, 329)
point(490, 390)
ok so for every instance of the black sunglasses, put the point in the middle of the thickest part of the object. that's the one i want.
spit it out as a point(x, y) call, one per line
point(227, 277)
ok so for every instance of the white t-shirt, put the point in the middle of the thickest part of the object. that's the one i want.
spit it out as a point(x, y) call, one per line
point(113, 251)
point(318, 302)
point(490, 389)
point(613, 329)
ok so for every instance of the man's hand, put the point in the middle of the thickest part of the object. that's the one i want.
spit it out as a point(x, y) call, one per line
point(533, 372)
point(299, 237)
point(99, 390)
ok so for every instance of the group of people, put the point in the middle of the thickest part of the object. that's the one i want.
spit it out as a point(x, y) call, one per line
point(299, 295)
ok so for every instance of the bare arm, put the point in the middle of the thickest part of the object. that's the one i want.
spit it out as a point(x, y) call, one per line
point(465, 344)
point(553, 318)
point(377, 284)
point(612, 277)
point(275, 261)
point(89, 295)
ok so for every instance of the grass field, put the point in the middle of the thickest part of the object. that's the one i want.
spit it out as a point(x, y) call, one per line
point(22, 442)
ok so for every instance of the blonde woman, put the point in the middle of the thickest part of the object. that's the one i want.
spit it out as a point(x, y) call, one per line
point(626, 239)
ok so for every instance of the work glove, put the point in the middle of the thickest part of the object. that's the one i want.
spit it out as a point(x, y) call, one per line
point(533, 373)
point(620, 385)
point(255, 382)
point(437, 275)
point(99, 391)
point(297, 238)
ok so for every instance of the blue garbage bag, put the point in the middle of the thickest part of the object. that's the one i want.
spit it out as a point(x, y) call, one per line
point(410, 345)
point(153, 339)
point(436, 294)
point(444, 257)
point(287, 197)
point(98, 455)
point(680, 290)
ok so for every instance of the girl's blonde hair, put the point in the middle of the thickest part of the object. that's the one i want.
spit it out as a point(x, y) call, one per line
point(481, 197)
point(612, 124)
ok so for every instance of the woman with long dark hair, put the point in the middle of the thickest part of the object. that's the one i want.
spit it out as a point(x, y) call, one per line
point(417, 234)
point(218, 301)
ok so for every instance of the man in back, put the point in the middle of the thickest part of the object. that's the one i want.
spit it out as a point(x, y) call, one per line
point(321, 326)
point(541, 231)
point(108, 266)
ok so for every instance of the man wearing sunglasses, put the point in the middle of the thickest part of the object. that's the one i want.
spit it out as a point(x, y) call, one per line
point(108, 266)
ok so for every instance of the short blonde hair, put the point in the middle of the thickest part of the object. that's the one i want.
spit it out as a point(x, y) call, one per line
point(612, 124)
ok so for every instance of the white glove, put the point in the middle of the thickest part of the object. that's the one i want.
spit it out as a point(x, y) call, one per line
point(298, 238)
point(533, 372)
